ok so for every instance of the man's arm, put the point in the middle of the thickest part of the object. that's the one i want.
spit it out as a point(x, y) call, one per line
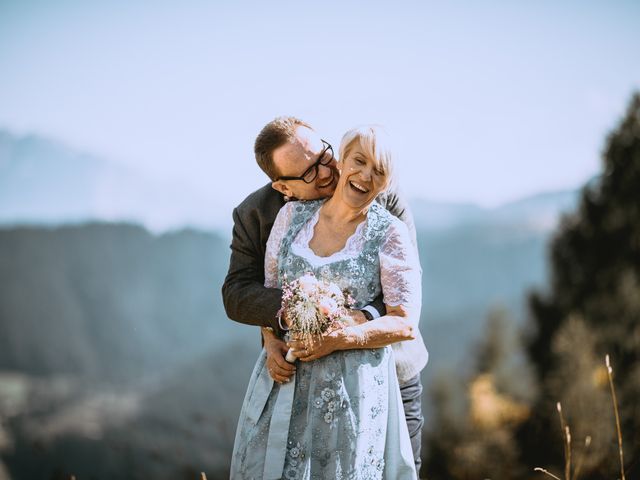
point(246, 299)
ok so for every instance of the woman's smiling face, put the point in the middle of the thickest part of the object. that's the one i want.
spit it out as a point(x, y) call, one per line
point(362, 178)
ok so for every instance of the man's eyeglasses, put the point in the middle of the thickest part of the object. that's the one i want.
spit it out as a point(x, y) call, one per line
point(311, 173)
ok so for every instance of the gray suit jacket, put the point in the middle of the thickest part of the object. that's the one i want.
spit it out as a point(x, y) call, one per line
point(246, 299)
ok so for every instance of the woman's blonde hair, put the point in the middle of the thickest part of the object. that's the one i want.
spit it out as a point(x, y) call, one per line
point(374, 143)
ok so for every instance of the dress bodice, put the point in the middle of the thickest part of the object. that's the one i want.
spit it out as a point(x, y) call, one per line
point(377, 258)
point(354, 268)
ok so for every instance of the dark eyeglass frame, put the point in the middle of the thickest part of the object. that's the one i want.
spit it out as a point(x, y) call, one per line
point(321, 161)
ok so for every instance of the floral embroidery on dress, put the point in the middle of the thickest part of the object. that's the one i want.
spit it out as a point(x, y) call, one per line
point(295, 461)
point(373, 465)
point(328, 402)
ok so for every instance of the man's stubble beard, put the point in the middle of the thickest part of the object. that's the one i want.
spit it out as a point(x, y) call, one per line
point(330, 188)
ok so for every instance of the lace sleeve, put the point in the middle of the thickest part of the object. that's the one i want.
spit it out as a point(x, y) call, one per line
point(278, 230)
point(400, 271)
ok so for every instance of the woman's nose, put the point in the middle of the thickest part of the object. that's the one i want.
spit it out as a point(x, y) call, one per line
point(365, 174)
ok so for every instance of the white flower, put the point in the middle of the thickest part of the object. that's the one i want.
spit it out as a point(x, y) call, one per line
point(308, 284)
point(335, 290)
point(328, 306)
point(328, 417)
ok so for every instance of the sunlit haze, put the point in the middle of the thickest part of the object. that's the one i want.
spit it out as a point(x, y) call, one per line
point(486, 102)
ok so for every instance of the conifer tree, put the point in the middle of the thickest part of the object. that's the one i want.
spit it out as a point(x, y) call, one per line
point(595, 276)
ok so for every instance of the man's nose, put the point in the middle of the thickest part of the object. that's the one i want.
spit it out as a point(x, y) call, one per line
point(324, 171)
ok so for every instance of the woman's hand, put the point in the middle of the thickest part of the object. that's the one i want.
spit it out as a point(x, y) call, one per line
point(320, 347)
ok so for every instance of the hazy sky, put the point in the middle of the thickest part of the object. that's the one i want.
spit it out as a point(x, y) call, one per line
point(486, 101)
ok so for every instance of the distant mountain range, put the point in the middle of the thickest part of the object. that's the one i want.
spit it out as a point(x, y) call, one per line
point(45, 182)
point(117, 337)
point(538, 212)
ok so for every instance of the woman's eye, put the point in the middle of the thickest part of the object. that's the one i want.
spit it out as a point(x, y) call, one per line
point(359, 161)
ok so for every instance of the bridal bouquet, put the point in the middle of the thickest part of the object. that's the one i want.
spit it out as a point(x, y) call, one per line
point(313, 307)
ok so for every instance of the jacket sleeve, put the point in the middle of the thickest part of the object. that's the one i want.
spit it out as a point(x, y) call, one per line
point(246, 299)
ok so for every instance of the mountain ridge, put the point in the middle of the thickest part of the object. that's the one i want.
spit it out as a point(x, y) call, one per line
point(44, 182)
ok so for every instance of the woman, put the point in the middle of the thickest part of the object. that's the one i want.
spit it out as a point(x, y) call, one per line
point(342, 417)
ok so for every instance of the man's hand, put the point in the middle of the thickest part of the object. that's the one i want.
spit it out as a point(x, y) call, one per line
point(279, 369)
point(285, 320)
point(357, 317)
point(321, 346)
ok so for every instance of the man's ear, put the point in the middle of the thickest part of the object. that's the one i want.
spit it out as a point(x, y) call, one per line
point(282, 188)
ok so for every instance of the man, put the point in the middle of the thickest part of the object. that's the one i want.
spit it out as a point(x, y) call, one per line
point(301, 166)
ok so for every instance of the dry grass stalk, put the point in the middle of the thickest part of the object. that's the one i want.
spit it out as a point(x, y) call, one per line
point(203, 476)
point(567, 443)
point(567, 463)
point(587, 443)
point(587, 440)
point(615, 410)
point(538, 469)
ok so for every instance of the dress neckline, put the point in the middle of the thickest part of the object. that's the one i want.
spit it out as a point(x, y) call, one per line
point(344, 252)
point(312, 228)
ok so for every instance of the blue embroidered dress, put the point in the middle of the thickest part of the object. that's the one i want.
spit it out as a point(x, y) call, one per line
point(341, 416)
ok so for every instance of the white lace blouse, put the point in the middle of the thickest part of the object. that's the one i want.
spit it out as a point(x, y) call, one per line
point(400, 275)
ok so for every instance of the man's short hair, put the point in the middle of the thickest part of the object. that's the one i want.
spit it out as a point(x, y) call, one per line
point(273, 135)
